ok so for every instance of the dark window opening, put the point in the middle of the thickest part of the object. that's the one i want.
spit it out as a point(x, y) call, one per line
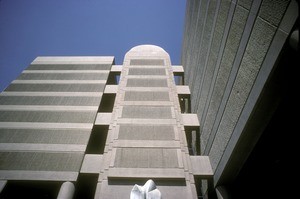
point(198, 183)
point(97, 140)
point(193, 141)
point(86, 186)
point(185, 104)
point(107, 103)
point(30, 189)
point(113, 78)
point(179, 79)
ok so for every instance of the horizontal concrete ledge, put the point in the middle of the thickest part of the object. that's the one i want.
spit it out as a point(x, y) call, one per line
point(119, 173)
point(73, 60)
point(178, 70)
point(43, 125)
point(116, 68)
point(91, 163)
point(145, 89)
point(38, 175)
point(183, 90)
point(111, 89)
point(47, 108)
point(146, 144)
point(103, 119)
point(146, 103)
point(146, 121)
point(201, 167)
point(42, 147)
point(190, 120)
point(69, 94)
point(59, 82)
point(67, 71)
point(147, 76)
point(145, 66)
point(121, 189)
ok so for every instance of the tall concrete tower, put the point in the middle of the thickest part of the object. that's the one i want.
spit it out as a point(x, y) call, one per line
point(241, 60)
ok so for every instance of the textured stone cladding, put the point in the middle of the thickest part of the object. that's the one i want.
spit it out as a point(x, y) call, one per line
point(224, 48)
point(146, 137)
point(47, 115)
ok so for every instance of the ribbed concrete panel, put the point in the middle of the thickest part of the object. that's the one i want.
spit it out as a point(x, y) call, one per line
point(225, 57)
point(63, 76)
point(50, 100)
point(44, 125)
point(147, 71)
point(231, 47)
point(197, 41)
point(205, 48)
point(29, 175)
point(62, 94)
point(187, 29)
point(146, 158)
point(251, 63)
point(56, 60)
point(145, 96)
point(48, 136)
point(146, 132)
point(47, 116)
point(50, 116)
point(194, 36)
point(56, 87)
point(146, 112)
point(273, 10)
point(147, 62)
point(35, 161)
point(214, 54)
point(69, 67)
point(147, 83)
point(245, 3)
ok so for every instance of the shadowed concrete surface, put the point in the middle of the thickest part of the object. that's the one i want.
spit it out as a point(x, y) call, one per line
point(239, 62)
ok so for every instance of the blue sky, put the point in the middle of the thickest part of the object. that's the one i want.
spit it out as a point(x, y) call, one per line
point(31, 28)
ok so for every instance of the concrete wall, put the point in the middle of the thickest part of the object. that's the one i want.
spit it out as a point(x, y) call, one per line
point(46, 120)
point(229, 51)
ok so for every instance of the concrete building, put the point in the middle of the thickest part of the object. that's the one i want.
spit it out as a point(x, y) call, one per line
point(46, 121)
point(240, 59)
point(68, 131)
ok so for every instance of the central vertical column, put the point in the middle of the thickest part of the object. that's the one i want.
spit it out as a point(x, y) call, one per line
point(146, 138)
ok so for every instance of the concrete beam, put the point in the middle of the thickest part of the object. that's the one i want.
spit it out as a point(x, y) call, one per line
point(91, 163)
point(116, 68)
point(178, 70)
point(103, 119)
point(183, 91)
point(190, 120)
point(201, 167)
point(119, 173)
point(111, 89)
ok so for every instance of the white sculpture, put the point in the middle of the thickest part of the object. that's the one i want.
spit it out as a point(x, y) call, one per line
point(148, 191)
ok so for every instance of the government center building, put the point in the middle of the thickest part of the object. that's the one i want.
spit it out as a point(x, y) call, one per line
point(217, 126)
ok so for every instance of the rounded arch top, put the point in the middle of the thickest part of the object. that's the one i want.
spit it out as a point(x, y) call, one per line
point(146, 50)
